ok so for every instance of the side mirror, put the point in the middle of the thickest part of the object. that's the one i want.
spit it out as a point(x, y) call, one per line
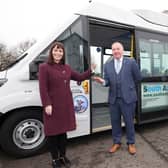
point(33, 70)
point(34, 67)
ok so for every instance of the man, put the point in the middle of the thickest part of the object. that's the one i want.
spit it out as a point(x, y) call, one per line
point(121, 74)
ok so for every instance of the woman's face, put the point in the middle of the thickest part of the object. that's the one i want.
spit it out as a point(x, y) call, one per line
point(57, 54)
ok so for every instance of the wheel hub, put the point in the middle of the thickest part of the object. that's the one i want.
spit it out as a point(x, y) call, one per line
point(28, 134)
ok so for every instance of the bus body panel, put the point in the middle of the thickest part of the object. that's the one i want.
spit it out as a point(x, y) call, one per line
point(20, 90)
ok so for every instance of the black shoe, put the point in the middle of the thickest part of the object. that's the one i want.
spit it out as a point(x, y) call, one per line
point(65, 161)
point(56, 163)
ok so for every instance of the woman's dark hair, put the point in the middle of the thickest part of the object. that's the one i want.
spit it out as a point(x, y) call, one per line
point(50, 56)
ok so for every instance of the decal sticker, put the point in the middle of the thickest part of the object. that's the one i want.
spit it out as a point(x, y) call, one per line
point(85, 85)
point(80, 104)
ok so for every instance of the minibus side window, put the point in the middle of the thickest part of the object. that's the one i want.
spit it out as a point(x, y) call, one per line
point(76, 45)
point(75, 40)
point(153, 58)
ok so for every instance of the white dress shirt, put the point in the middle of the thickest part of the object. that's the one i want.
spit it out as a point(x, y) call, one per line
point(117, 67)
point(118, 64)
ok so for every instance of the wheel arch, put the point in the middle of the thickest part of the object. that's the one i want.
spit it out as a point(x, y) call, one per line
point(8, 119)
point(4, 116)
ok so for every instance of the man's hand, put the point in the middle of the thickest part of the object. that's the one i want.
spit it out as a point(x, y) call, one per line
point(98, 79)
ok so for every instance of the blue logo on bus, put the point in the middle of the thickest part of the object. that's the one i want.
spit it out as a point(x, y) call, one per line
point(80, 104)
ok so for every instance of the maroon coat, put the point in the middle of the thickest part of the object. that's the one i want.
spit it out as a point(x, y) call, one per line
point(54, 83)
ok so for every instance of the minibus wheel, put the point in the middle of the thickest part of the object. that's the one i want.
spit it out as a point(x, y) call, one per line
point(22, 133)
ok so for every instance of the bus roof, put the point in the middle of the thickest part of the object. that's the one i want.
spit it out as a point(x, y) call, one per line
point(139, 18)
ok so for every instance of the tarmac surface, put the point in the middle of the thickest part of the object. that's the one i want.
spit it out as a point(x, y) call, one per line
point(157, 136)
point(92, 151)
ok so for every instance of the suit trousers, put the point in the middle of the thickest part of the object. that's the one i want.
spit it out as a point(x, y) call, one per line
point(118, 109)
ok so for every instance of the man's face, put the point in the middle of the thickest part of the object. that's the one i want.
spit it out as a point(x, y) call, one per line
point(117, 50)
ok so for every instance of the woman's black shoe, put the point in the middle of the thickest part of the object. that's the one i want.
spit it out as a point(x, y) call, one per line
point(65, 161)
point(56, 163)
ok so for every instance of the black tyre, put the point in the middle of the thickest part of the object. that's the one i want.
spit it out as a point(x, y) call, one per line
point(22, 133)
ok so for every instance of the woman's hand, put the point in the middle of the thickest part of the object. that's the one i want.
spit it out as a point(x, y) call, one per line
point(98, 79)
point(93, 66)
point(48, 110)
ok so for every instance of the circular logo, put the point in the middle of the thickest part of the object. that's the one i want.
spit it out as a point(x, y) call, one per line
point(80, 104)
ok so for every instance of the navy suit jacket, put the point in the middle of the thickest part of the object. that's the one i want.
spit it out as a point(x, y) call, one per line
point(130, 76)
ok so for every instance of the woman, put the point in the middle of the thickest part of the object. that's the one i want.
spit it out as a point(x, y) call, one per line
point(56, 97)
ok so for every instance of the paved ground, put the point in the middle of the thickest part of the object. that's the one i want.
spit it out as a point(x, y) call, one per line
point(91, 152)
point(157, 136)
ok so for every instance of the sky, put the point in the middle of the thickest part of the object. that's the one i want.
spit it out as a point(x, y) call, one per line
point(22, 20)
